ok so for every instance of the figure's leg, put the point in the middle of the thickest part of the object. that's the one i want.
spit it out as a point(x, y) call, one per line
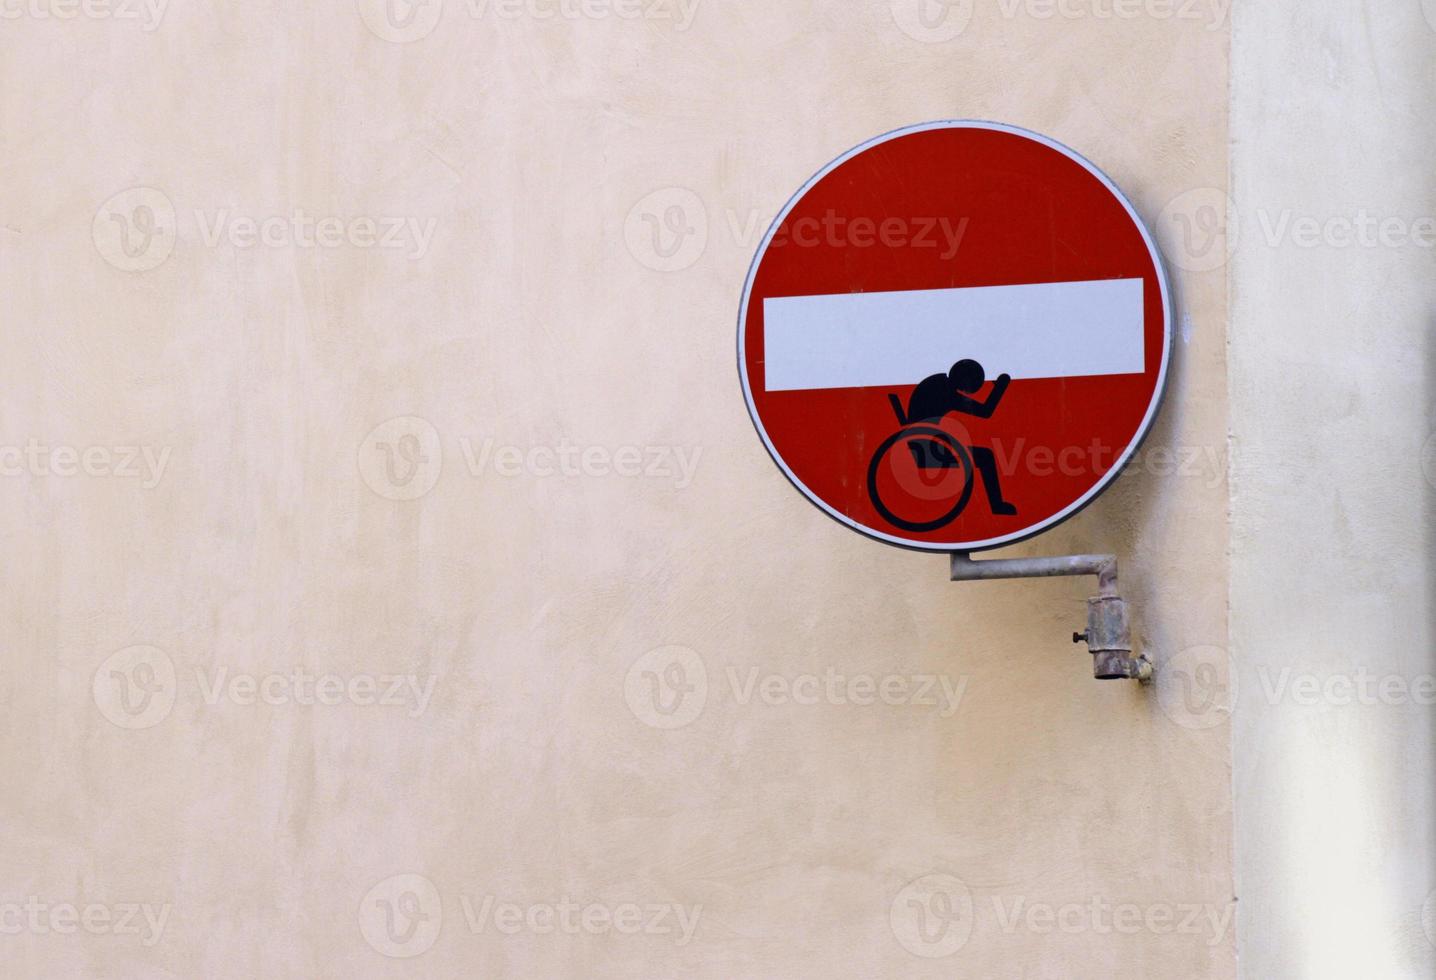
point(985, 461)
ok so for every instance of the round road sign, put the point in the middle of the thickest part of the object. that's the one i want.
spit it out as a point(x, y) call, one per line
point(955, 335)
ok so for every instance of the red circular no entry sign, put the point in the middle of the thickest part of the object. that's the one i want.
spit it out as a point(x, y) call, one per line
point(955, 335)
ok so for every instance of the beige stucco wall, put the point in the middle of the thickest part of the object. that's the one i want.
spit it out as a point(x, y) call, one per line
point(1335, 464)
point(1030, 821)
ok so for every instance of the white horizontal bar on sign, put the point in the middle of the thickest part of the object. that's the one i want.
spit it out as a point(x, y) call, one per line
point(879, 340)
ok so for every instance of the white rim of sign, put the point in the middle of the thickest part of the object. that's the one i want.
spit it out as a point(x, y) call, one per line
point(1107, 477)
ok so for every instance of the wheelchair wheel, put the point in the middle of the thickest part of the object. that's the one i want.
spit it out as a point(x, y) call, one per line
point(901, 438)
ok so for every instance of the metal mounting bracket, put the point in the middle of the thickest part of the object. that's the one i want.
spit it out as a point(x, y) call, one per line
point(1108, 635)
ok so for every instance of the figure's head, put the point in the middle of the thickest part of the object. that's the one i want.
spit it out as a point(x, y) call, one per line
point(967, 376)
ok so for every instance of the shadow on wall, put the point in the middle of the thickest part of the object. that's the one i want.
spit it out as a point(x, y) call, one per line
point(1130, 513)
point(1428, 470)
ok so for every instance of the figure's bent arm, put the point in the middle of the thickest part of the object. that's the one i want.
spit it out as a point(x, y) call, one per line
point(999, 388)
point(984, 409)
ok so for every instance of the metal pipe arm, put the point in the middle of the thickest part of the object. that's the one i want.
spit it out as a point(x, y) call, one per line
point(964, 569)
point(1108, 636)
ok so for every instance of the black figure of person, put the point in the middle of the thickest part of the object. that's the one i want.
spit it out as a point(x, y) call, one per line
point(943, 394)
